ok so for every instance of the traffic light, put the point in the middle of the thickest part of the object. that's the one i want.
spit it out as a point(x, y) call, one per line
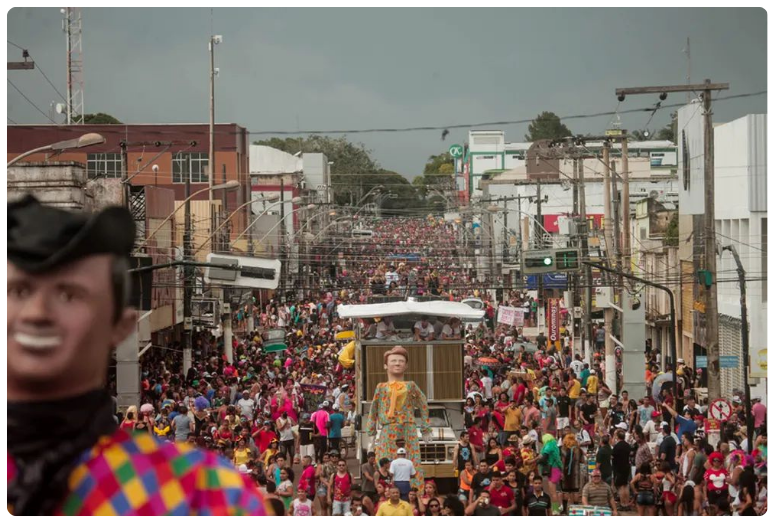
point(550, 260)
point(567, 260)
point(538, 262)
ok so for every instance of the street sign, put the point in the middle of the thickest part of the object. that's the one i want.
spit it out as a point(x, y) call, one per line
point(729, 362)
point(701, 362)
point(456, 151)
point(254, 273)
point(720, 410)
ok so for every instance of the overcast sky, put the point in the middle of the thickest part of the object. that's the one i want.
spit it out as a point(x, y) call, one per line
point(290, 69)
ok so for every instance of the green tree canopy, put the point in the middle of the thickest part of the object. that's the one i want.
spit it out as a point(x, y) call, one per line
point(440, 164)
point(669, 131)
point(99, 118)
point(546, 126)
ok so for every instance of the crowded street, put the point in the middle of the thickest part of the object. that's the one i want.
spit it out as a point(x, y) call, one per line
point(287, 419)
point(293, 261)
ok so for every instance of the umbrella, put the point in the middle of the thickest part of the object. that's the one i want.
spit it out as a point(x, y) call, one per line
point(146, 408)
point(659, 383)
point(488, 361)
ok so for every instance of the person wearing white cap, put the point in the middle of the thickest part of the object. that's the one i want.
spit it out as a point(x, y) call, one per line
point(403, 471)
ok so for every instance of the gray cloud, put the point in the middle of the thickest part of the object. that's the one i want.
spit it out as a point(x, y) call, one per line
point(358, 68)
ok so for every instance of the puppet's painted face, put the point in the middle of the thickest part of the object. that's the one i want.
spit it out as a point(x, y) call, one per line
point(396, 364)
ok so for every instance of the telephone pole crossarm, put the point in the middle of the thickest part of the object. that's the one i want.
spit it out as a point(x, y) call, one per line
point(659, 89)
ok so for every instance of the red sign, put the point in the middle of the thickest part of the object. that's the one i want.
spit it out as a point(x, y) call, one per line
point(553, 318)
point(720, 410)
point(552, 222)
point(712, 425)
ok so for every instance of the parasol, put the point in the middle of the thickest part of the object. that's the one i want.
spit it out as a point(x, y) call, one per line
point(488, 361)
point(659, 383)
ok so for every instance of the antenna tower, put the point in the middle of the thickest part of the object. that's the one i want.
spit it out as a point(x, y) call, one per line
point(72, 26)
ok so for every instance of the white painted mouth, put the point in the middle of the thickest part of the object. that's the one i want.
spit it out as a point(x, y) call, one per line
point(30, 341)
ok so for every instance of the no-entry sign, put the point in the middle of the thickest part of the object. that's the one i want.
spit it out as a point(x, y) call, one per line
point(720, 410)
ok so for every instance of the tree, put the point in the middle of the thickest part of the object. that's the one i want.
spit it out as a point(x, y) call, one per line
point(354, 172)
point(100, 118)
point(440, 164)
point(546, 125)
point(669, 131)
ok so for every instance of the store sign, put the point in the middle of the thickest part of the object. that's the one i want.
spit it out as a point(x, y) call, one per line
point(553, 318)
point(758, 363)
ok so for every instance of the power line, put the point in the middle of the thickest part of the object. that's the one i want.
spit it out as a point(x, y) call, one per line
point(122, 131)
point(9, 119)
point(30, 101)
point(37, 64)
point(16, 46)
point(49, 81)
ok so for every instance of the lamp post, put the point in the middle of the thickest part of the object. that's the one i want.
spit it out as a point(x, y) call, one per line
point(230, 217)
point(294, 200)
point(231, 184)
point(84, 140)
point(308, 207)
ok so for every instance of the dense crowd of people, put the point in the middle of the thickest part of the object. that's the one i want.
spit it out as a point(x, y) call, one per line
point(544, 433)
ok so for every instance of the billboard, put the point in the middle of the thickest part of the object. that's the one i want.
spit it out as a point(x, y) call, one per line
point(553, 318)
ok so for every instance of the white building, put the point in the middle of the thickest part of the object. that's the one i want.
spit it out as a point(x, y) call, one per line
point(740, 220)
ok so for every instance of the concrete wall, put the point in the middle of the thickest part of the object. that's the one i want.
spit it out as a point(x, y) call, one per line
point(60, 184)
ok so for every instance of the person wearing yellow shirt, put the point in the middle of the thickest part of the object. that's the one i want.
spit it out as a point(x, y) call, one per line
point(574, 388)
point(592, 382)
point(394, 506)
point(242, 454)
point(513, 419)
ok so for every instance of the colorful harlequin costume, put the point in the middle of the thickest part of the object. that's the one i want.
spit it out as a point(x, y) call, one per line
point(138, 475)
point(393, 410)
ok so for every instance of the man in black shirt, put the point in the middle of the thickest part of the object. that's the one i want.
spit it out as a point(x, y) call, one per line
point(620, 459)
point(541, 341)
point(667, 449)
point(538, 503)
point(616, 414)
point(588, 411)
point(464, 452)
point(482, 479)
point(563, 409)
point(306, 446)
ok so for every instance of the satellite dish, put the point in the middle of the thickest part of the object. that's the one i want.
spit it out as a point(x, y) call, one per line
point(654, 195)
point(59, 108)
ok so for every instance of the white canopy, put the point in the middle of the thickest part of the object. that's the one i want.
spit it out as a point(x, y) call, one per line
point(444, 309)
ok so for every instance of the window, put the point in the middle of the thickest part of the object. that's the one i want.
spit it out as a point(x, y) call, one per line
point(189, 164)
point(103, 165)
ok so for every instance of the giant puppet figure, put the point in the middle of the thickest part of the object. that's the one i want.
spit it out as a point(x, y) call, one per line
point(393, 408)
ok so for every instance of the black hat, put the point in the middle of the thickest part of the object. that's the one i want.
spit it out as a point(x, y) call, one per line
point(42, 238)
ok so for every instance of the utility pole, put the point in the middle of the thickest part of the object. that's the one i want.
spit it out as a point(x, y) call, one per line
point(539, 245)
point(608, 313)
point(188, 281)
point(625, 205)
point(711, 305)
point(744, 339)
point(26, 64)
point(587, 340)
point(505, 253)
point(578, 333)
point(616, 205)
point(711, 311)
point(283, 259)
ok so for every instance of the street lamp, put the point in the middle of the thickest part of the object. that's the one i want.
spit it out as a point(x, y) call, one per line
point(76, 143)
point(231, 184)
point(294, 200)
point(308, 207)
point(375, 188)
point(231, 216)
